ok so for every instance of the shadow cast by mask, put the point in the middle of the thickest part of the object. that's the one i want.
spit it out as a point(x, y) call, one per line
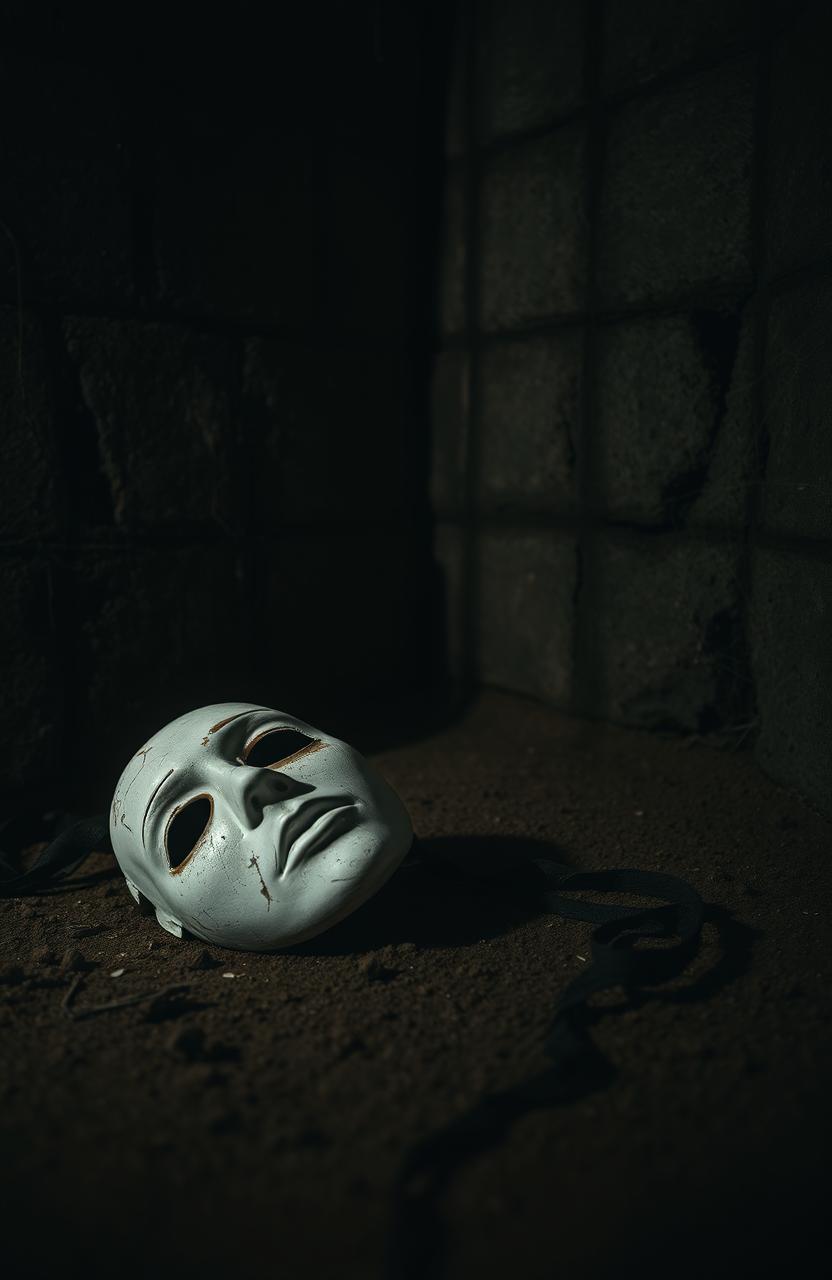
point(448, 892)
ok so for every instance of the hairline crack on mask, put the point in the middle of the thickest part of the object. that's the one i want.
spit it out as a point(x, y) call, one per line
point(249, 851)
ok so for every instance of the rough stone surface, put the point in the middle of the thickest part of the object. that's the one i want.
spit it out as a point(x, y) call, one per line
point(159, 397)
point(798, 479)
point(249, 230)
point(155, 633)
point(648, 38)
point(526, 599)
point(665, 387)
point(30, 719)
point(449, 550)
point(532, 63)
point(529, 420)
point(533, 231)
point(449, 438)
point(27, 476)
point(800, 165)
point(733, 465)
point(67, 223)
point(675, 201)
point(324, 429)
point(668, 634)
point(453, 256)
point(791, 629)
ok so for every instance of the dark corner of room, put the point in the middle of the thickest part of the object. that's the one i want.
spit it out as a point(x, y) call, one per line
point(416, 502)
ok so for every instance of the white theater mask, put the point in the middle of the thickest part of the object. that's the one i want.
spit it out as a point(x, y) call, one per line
point(251, 829)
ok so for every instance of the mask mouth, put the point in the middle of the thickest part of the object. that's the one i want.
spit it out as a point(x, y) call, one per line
point(313, 825)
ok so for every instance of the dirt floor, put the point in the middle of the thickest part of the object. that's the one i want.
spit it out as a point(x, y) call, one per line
point(252, 1119)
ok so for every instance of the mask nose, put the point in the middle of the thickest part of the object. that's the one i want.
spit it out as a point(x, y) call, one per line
point(249, 790)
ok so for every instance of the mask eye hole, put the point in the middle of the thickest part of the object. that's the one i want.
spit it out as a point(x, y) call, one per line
point(274, 747)
point(186, 828)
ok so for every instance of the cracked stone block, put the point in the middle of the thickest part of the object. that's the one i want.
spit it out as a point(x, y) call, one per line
point(791, 626)
point(668, 631)
point(449, 553)
point(449, 430)
point(533, 261)
point(257, 231)
point(158, 396)
point(27, 477)
point(530, 392)
point(669, 395)
point(30, 721)
point(648, 38)
point(452, 257)
point(676, 194)
point(527, 585)
point(800, 175)
point(797, 489)
point(325, 431)
point(733, 465)
point(157, 633)
point(531, 57)
point(66, 190)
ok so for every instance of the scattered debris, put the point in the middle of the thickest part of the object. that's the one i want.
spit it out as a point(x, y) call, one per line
point(86, 930)
point(74, 986)
point(91, 1010)
point(74, 960)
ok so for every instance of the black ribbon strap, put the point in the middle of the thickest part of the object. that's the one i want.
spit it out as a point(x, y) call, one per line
point(69, 848)
point(577, 1065)
point(617, 958)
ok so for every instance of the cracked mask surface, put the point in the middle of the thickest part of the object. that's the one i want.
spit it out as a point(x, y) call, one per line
point(247, 851)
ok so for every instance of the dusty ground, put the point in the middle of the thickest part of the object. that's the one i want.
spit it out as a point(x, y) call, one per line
point(262, 1116)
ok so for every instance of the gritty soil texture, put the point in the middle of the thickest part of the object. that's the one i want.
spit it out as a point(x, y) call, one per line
point(248, 1114)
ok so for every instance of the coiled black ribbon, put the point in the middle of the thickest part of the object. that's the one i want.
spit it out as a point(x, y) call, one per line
point(577, 1066)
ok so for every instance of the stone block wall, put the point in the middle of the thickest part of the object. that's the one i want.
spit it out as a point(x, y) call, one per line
point(212, 227)
point(632, 476)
